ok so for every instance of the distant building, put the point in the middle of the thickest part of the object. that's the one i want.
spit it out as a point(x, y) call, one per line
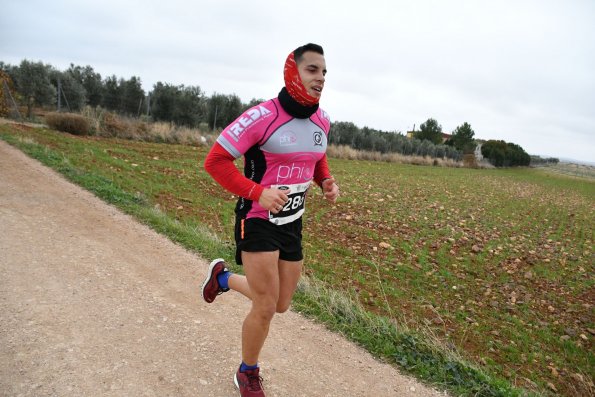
point(445, 137)
point(477, 153)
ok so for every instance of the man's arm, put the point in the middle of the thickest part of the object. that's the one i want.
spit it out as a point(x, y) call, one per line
point(323, 177)
point(219, 164)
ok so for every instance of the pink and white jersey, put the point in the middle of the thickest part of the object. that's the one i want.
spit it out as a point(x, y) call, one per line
point(280, 151)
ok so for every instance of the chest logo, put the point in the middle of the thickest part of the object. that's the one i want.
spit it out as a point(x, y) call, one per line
point(317, 136)
point(288, 139)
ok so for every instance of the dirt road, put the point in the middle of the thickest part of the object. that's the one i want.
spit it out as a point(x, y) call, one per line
point(93, 303)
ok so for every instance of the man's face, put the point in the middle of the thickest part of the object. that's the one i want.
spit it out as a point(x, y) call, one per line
point(312, 69)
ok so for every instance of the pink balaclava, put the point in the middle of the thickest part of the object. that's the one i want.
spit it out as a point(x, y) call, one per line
point(294, 85)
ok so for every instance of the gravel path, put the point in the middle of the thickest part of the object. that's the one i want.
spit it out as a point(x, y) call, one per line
point(92, 303)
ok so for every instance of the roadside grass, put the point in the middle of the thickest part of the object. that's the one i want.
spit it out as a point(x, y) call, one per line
point(419, 353)
point(426, 267)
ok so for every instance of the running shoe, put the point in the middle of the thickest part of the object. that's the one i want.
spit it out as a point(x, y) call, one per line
point(211, 287)
point(249, 383)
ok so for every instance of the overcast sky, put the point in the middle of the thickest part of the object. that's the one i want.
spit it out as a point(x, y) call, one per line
point(518, 70)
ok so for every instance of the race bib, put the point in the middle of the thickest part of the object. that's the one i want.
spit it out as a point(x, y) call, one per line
point(295, 205)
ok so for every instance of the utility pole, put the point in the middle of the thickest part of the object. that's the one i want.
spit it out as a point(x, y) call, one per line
point(59, 97)
point(7, 93)
point(65, 100)
point(140, 104)
point(215, 121)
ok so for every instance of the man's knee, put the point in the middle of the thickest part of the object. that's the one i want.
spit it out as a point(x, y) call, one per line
point(266, 311)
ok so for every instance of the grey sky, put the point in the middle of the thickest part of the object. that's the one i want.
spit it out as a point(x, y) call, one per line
point(521, 71)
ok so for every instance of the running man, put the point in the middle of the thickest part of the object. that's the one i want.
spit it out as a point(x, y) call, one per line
point(283, 142)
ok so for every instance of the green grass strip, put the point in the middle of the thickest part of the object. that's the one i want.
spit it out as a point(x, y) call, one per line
point(413, 352)
point(419, 355)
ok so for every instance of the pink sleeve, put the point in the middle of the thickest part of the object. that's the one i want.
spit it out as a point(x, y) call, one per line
point(248, 129)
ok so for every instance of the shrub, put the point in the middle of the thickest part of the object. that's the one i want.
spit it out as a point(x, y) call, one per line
point(112, 125)
point(69, 122)
point(470, 161)
point(348, 153)
point(503, 154)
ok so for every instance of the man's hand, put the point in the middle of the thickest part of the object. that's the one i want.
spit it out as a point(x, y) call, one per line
point(330, 189)
point(273, 199)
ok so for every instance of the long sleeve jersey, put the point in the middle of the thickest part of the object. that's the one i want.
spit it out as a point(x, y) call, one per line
point(280, 151)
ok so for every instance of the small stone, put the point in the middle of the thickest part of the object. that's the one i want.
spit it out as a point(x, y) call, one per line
point(552, 387)
point(554, 372)
point(577, 377)
point(570, 331)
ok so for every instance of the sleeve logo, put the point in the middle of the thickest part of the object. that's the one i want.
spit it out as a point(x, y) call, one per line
point(245, 120)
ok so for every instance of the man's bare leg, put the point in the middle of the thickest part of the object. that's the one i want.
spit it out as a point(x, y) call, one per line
point(262, 274)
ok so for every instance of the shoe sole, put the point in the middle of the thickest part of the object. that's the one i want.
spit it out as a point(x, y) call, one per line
point(209, 276)
point(235, 380)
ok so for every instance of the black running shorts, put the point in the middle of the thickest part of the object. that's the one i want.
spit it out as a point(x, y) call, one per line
point(260, 235)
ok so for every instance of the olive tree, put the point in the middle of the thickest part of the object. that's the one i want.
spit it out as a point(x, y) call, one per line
point(32, 80)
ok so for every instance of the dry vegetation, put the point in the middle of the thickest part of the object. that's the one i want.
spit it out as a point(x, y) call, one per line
point(571, 169)
point(107, 124)
point(348, 153)
point(93, 121)
point(69, 122)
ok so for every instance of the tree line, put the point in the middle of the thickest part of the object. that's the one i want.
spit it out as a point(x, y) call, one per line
point(368, 139)
point(505, 154)
point(39, 84)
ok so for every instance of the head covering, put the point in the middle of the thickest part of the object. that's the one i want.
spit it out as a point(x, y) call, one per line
point(294, 85)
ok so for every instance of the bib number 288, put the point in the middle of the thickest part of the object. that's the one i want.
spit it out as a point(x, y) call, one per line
point(295, 205)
